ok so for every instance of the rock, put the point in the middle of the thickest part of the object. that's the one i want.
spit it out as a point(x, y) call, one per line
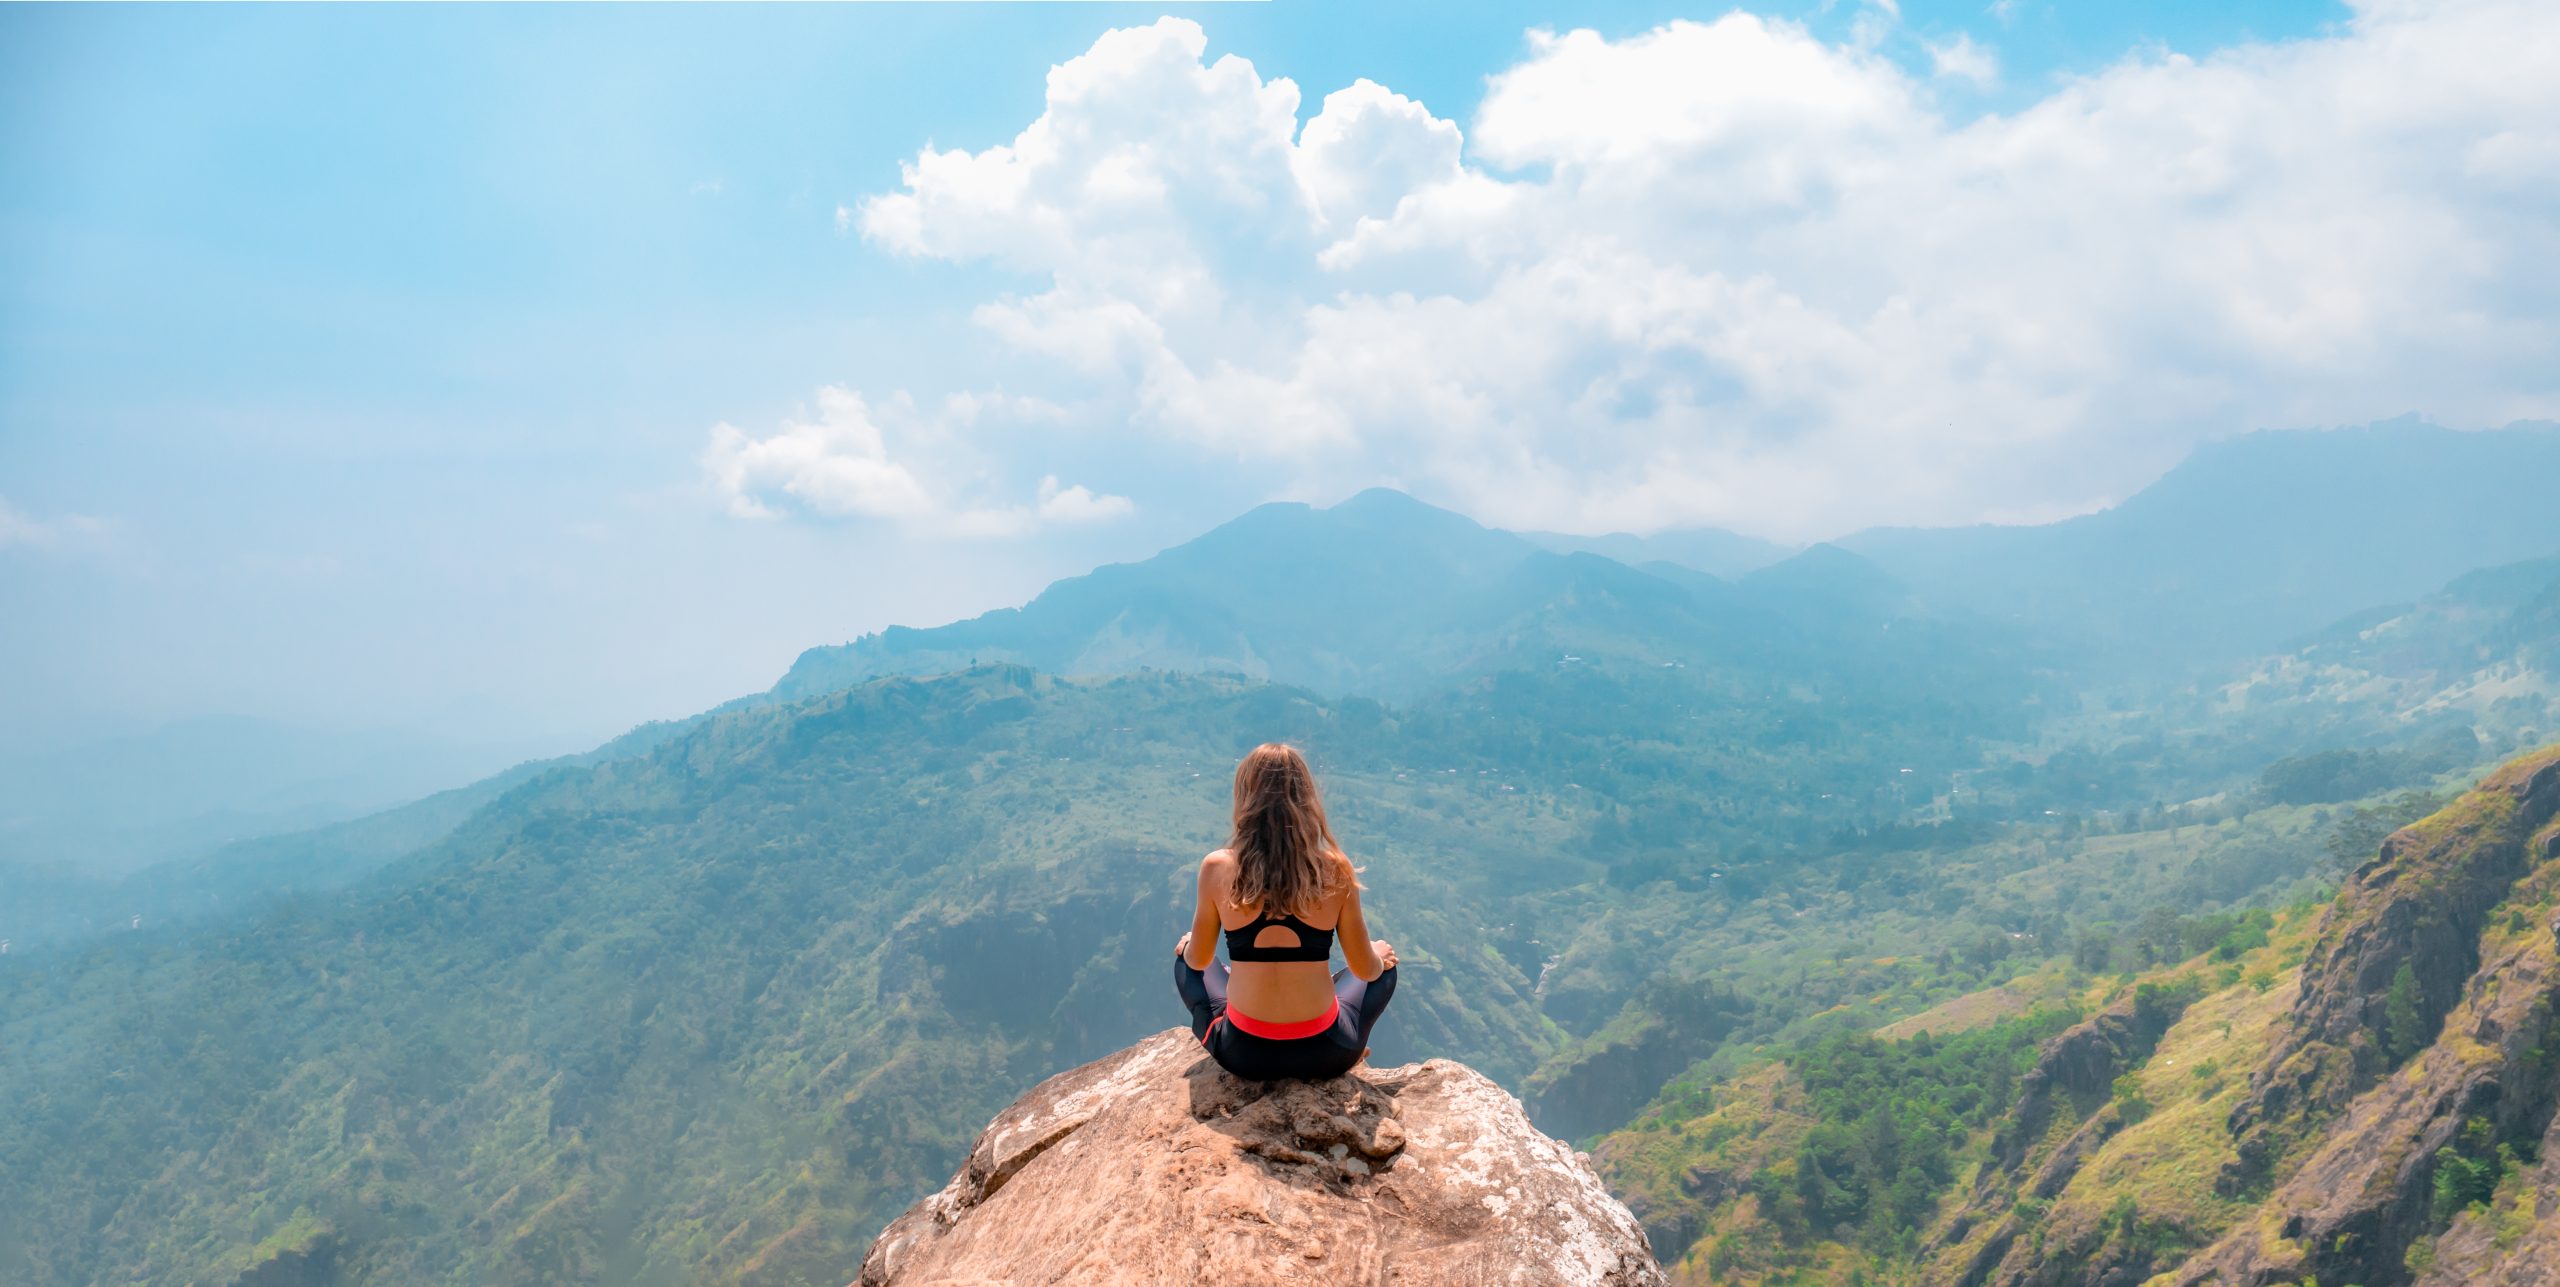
point(2074, 1074)
point(2076, 1069)
point(2360, 1198)
point(2513, 1246)
point(2356, 1204)
point(2421, 903)
point(1154, 1165)
point(2337, 1140)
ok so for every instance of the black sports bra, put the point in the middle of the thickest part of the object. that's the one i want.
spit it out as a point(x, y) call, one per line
point(1313, 944)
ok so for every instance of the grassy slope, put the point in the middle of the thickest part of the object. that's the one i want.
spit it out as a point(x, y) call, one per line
point(2046, 881)
point(2166, 1161)
point(2147, 1193)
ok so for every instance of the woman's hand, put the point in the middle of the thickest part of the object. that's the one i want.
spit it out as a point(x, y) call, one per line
point(1182, 945)
point(1386, 953)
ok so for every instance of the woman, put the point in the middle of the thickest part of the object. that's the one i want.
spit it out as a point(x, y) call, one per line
point(1281, 891)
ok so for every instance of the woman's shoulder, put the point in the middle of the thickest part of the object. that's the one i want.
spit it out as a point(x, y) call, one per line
point(1341, 877)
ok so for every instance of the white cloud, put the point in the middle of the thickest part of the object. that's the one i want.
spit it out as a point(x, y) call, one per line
point(20, 530)
point(1079, 504)
point(1152, 177)
point(1962, 59)
point(854, 461)
point(1370, 149)
point(836, 463)
point(1727, 272)
point(1739, 88)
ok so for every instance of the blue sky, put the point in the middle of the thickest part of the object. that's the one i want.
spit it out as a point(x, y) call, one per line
point(367, 364)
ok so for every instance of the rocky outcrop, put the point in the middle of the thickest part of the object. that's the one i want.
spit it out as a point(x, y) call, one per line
point(2074, 1073)
point(2363, 1194)
point(2420, 904)
point(2077, 1067)
point(1154, 1166)
point(2513, 1243)
point(2355, 1206)
point(2421, 1046)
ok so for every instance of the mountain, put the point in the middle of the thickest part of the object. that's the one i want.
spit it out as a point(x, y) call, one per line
point(1718, 553)
point(2481, 652)
point(1662, 852)
point(2359, 1092)
point(1380, 593)
point(1385, 596)
point(2249, 542)
point(43, 904)
point(712, 1009)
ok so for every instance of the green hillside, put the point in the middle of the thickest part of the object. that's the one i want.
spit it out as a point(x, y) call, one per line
point(1690, 864)
point(2347, 1090)
point(716, 1010)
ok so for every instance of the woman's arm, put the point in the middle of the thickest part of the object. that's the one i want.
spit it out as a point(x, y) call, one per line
point(1200, 946)
point(1367, 958)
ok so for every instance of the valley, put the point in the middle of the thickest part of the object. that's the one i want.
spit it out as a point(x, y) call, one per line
point(1664, 853)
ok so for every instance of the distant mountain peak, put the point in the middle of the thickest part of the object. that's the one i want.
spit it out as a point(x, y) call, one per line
point(1385, 498)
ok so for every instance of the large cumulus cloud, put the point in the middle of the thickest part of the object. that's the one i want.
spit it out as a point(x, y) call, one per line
point(1728, 273)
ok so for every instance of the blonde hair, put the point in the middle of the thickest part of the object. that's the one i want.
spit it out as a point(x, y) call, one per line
point(1286, 858)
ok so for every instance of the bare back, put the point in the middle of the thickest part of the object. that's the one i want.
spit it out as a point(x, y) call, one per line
point(1281, 991)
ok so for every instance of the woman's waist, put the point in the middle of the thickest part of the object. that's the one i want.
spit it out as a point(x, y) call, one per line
point(1280, 991)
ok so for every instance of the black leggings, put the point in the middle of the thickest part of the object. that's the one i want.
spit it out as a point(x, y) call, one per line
point(1330, 1053)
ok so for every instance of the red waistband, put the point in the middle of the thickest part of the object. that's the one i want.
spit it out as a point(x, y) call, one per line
point(1285, 1031)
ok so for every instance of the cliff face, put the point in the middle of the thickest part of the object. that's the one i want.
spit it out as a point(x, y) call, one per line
point(2365, 1195)
point(2410, 918)
point(2367, 1191)
point(2511, 1241)
point(1154, 1166)
point(2070, 1082)
point(2398, 1122)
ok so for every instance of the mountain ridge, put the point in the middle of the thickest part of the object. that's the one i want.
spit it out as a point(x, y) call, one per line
point(2148, 583)
point(2252, 539)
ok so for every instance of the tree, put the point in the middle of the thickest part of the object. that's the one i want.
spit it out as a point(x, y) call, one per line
point(2403, 1026)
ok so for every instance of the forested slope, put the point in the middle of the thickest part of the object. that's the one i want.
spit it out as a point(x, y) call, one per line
point(715, 1010)
point(2355, 1092)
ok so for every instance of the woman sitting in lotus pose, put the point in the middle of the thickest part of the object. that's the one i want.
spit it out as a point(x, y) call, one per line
point(1281, 890)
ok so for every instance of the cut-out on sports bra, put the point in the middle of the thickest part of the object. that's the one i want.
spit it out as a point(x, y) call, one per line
point(1313, 944)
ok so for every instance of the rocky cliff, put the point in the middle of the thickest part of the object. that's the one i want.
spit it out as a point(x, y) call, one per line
point(2469, 1044)
point(2409, 918)
point(2397, 1123)
point(1154, 1166)
point(2062, 1119)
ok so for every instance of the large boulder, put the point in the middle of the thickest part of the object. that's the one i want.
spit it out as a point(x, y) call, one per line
point(1155, 1166)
